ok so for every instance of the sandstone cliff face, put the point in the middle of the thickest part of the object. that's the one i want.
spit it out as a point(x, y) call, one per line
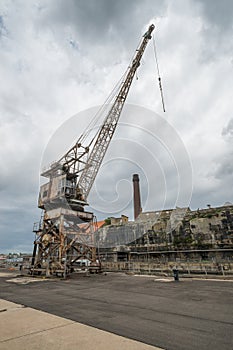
point(180, 228)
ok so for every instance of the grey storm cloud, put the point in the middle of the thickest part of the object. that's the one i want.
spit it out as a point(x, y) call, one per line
point(217, 28)
point(228, 130)
point(225, 164)
point(218, 13)
point(3, 30)
point(59, 58)
point(226, 168)
point(101, 21)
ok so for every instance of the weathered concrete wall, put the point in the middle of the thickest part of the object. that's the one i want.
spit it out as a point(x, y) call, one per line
point(223, 268)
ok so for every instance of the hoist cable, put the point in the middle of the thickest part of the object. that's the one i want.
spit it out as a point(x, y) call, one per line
point(159, 77)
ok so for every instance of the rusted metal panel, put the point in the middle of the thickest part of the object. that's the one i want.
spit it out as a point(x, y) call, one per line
point(57, 184)
point(55, 213)
point(44, 194)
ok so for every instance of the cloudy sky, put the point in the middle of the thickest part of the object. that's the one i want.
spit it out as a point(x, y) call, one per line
point(60, 59)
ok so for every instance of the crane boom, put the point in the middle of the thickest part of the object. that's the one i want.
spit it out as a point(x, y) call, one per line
point(107, 130)
point(84, 161)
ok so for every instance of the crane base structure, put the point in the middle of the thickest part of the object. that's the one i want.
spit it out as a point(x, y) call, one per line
point(62, 240)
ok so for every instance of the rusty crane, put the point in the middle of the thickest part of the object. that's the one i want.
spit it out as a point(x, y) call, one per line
point(65, 232)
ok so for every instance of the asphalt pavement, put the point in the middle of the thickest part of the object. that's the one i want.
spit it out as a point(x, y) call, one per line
point(189, 314)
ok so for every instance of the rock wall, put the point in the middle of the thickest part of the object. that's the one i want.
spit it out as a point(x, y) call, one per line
point(179, 229)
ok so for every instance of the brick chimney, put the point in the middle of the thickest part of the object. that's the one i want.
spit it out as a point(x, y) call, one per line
point(136, 196)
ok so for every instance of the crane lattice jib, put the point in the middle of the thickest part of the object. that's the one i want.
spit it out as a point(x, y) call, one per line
point(106, 132)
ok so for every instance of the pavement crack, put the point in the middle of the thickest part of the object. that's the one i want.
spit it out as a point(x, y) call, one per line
point(37, 332)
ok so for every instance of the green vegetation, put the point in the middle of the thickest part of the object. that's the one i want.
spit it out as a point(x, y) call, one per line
point(107, 221)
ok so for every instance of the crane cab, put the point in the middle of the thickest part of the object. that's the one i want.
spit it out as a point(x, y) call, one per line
point(60, 190)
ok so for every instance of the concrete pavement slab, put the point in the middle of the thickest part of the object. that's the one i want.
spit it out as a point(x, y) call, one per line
point(25, 328)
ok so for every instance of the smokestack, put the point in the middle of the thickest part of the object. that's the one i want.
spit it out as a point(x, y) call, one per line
point(136, 196)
